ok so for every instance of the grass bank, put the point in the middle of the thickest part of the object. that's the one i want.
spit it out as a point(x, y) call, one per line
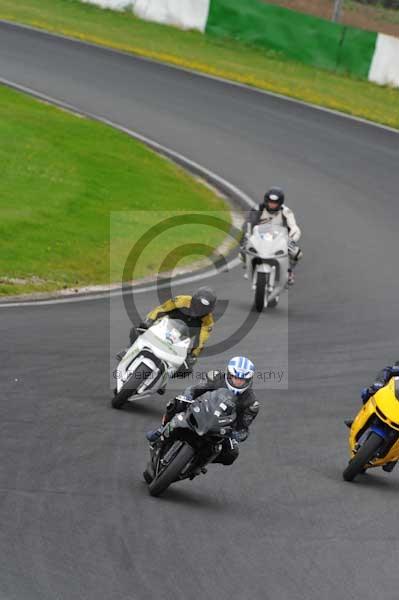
point(65, 180)
point(221, 57)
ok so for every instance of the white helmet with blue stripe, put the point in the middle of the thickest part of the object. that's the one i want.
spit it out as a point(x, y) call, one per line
point(239, 374)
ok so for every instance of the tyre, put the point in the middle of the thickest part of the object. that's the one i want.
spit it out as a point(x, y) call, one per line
point(172, 471)
point(130, 386)
point(260, 290)
point(362, 457)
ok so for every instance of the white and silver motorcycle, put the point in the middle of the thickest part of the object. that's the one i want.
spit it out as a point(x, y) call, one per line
point(155, 356)
point(267, 263)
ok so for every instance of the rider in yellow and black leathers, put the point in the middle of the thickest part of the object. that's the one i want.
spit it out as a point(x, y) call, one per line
point(195, 311)
point(179, 307)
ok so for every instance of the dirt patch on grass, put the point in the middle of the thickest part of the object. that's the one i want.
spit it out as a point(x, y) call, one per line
point(373, 18)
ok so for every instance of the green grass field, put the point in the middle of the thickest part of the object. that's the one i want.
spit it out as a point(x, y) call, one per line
point(65, 181)
point(216, 56)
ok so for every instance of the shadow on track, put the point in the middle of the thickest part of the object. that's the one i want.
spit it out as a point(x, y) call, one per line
point(143, 409)
point(374, 481)
point(187, 497)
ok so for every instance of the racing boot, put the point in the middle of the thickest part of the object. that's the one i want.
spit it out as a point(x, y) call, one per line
point(154, 436)
point(389, 466)
point(148, 473)
point(121, 354)
point(291, 278)
point(147, 476)
point(197, 471)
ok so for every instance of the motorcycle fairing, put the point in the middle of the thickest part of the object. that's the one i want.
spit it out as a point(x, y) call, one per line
point(381, 415)
point(387, 404)
point(267, 252)
point(162, 348)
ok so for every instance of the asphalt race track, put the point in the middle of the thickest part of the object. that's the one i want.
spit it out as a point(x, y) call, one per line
point(76, 519)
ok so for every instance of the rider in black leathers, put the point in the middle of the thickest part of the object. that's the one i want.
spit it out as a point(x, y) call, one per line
point(247, 407)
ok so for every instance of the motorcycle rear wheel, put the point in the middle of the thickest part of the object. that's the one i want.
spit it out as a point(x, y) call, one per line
point(129, 387)
point(362, 457)
point(160, 484)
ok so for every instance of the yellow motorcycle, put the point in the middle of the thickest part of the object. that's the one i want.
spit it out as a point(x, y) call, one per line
point(374, 434)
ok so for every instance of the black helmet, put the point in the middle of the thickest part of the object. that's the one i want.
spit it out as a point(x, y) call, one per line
point(202, 302)
point(275, 194)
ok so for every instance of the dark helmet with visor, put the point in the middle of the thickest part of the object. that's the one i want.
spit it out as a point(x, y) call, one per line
point(275, 196)
point(203, 302)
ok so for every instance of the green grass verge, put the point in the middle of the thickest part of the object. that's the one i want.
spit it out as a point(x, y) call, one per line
point(62, 177)
point(217, 56)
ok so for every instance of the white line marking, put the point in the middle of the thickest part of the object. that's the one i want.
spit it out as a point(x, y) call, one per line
point(105, 295)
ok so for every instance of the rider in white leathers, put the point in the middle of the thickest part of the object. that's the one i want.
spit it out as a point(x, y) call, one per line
point(273, 211)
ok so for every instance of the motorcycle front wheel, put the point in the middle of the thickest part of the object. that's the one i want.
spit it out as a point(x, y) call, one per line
point(262, 280)
point(172, 471)
point(366, 453)
point(130, 386)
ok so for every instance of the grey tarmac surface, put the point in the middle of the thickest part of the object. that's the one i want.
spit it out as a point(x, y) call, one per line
point(76, 519)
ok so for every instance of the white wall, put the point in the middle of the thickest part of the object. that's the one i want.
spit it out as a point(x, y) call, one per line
point(384, 68)
point(186, 14)
point(193, 14)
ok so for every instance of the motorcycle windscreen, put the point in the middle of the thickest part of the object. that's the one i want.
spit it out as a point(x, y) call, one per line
point(212, 412)
point(270, 240)
point(270, 232)
point(172, 333)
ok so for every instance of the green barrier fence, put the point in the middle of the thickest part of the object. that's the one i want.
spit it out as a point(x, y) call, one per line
point(356, 52)
point(305, 38)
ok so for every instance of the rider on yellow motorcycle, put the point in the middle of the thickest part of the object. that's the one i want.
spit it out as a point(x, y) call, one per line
point(382, 379)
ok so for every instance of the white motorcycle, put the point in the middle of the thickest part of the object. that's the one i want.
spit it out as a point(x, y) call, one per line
point(155, 355)
point(267, 263)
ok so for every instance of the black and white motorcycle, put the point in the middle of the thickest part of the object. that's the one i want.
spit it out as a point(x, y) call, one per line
point(267, 263)
point(157, 354)
point(191, 440)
